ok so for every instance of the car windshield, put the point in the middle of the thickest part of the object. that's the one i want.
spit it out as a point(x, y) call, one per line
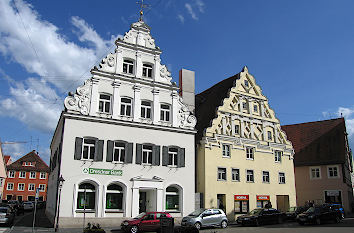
point(140, 215)
point(2, 210)
point(196, 212)
point(255, 211)
point(310, 210)
point(292, 209)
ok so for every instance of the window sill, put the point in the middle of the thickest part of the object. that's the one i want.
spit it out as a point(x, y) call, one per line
point(265, 182)
point(221, 180)
point(172, 166)
point(173, 211)
point(114, 211)
point(281, 183)
point(235, 180)
point(249, 159)
point(117, 162)
point(86, 211)
point(249, 181)
point(226, 157)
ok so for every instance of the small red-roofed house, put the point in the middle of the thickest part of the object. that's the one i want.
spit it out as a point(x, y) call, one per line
point(7, 160)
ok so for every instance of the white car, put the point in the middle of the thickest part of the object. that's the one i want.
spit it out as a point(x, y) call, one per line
point(28, 205)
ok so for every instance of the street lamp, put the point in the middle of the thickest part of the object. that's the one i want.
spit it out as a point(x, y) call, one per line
point(61, 181)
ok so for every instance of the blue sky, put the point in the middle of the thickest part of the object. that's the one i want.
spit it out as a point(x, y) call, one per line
point(300, 52)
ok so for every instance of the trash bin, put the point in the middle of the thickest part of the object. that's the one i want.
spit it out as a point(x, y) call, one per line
point(166, 225)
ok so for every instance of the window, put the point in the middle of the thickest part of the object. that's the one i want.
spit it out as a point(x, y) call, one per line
point(165, 112)
point(315, 173)
point(22, 174)
point(31, 187)
point(246, 83)
point(244, 105)
point(269, 135)
point(146, 109)
point(32, 175)
point(147, 71)
point(10, 186)
point(87, 201)
point(1, 182)
point(128, 66)
point(281, 178)
point(225, 150)
point(21, 187)
point(126, 107)
point(147, 155)
point(250, 176)
point(88, 152)
point(277, 156)
point(265, 177)
point(250, 153)
point(104, 104)
point(119, 152)
point(235, 174)
point(172, 199)
point(11, 174)
point(43, 175)
point(114, 197)
point(237, 129)
point(27, 164)
point(221, 173)
point(41, 187)
point(172, 156)
point(255, 108)
point(332, 171)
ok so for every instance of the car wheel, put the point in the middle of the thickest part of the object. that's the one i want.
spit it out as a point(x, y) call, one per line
point(318, 221)
point(337, 219)
point(134, 229)
point(197, 225)
point(280, 220)
point(223, 224)
point(257, 223)
point(301, 223)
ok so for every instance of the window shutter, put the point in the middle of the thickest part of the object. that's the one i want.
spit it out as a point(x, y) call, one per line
point(164, 155)
point(78, 148)
point(98, 150)
point(181, 157)
point(128, 153)
point(139, 148)
point(156, 155)
point(109, 157)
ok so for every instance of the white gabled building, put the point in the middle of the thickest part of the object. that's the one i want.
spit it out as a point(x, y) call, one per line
point(125, 139)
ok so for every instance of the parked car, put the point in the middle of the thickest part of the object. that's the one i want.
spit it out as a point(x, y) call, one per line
point(7, 215)
point(261, 216)
point(206, 218)
point(319, 214)
point(337, 207)
point(144, 222)
point(294, 211)
point(28, 205)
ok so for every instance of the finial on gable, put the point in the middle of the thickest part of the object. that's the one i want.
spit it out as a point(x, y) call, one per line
point(141, 12)
point(245, 69)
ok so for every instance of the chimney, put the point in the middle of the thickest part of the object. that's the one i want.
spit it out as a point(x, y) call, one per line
point(186, 88)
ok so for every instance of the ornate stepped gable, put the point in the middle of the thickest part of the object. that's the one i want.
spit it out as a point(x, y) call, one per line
point(240, 113)
point(137, 41)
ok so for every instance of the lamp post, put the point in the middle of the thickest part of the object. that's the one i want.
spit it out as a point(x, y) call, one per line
point(61, 181)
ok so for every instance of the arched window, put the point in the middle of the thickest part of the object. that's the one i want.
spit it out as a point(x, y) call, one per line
point(165, 112)
point(104, 104)
point(147, 71)
point(126, 107)
point(128, 66)
point(86, 194)
point(146, 109)
point(114, 197)
point(172, 199)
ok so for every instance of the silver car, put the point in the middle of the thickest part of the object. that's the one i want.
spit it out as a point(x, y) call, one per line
point(7, 216)
point(206, 218)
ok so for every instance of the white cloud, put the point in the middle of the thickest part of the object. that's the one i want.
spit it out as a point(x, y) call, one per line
point(345, 112)
point(190, 11)
point(181, 18)
point(16, 150)
point(200, 4)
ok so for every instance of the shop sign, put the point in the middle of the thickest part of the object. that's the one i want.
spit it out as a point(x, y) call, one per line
point(99, 171)
point(333, 193)
point(241, 197)
point(263, 198)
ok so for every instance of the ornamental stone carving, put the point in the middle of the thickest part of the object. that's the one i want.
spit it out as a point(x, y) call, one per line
point(165, 74)
point(185, 117)
point(80, 101)
point(108, 63)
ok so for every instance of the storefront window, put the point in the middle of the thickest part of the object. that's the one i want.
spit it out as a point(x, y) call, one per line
point(241, 204)
point(172, 199)
point(262, 201)
point(89, 198)
point(114, 197)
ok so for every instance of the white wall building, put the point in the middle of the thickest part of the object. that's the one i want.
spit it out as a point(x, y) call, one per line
point(125, 139)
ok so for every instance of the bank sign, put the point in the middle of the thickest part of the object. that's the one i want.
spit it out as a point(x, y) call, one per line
point(98, 171)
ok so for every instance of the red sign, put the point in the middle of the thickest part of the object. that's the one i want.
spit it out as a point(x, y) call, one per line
point(241, 197)
point(263, 198)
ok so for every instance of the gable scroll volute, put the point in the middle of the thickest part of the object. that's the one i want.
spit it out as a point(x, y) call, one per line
point(185, 117)
point(80, 101)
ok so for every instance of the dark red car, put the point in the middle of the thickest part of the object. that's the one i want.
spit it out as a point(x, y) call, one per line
point(144, 222)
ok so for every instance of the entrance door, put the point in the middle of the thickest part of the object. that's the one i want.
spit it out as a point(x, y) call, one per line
point(142, 202)
point(283, 202)
point(221, 202)
point(19, 198)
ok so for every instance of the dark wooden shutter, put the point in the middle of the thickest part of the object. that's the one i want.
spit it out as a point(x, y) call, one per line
point(78, 148)
point(164, 155)
point(109, 157)
point(156, 155)
point(139, 149)
point(98, 150)
point(181, 157)
point(128, 152)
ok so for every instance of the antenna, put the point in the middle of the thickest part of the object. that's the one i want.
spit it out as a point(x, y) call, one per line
point(142, 6)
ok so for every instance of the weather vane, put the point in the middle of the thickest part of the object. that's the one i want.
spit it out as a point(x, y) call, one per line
point(142, 6)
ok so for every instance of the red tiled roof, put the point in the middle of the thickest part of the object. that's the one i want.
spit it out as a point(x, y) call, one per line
point(32, 156)
point(6, 159)
point(319, 142)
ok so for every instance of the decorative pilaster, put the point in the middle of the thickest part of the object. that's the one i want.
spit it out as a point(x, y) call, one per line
point(94, 96)
point(119, 66)
point(242, 128)
point(174, 95)
point(160, 200)
point(156, 73)
point(156, 109)
point(139, 65)
point(252, 128)
point(265, 136)
point(137, 102)
point(276, 134)
point(135, 202)
point(116, 100)
point(262, 109)
point(223, 125)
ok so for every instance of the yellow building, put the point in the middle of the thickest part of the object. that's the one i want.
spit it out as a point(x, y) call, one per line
point(244, 159)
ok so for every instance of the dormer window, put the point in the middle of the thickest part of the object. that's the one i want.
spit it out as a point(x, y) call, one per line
point(128, 66)
point(104, 103)
point(255, 108)
point(246, 83)
point(28, 164)
point(147, 71)
point(126, 107)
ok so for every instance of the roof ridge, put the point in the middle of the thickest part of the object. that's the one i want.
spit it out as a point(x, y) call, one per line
point(311, 122)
